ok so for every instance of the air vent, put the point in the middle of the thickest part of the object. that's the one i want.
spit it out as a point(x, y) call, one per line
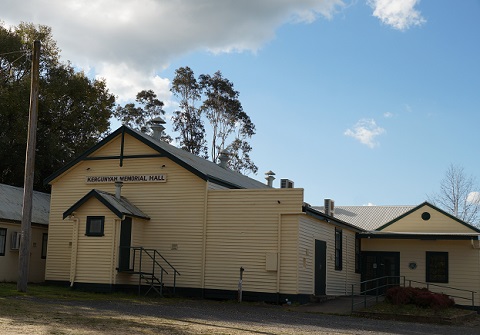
point(329, 207)
point(286, 183)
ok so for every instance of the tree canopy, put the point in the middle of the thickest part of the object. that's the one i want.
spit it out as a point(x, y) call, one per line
point(139, 117)
point(231, 127)
point(74, 111)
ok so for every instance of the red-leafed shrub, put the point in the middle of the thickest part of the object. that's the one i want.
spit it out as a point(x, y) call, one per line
point(420, 297)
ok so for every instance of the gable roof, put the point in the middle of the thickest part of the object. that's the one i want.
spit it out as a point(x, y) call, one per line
point(320, 215)
point(367, 217)
point(119, 207)
point(201, 167)
point(432, 207)
point(11, 204)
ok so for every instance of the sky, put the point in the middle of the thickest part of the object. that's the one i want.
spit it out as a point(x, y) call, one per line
point(360, 101)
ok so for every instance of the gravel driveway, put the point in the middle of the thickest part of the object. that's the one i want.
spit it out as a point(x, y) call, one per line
point(174, 316)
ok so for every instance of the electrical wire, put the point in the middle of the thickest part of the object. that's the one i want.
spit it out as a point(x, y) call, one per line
point(14, 52)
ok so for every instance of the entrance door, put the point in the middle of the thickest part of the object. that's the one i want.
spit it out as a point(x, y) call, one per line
point(320, 267)
point(125, 244)
point(378, 265)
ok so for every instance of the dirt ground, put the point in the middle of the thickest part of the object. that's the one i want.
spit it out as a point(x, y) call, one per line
point(29, 315)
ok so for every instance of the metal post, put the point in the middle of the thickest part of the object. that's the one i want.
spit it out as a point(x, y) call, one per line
point(174, 280)
point(352, 296)
point(140, 272)
point(240, 284)
point(161, 282)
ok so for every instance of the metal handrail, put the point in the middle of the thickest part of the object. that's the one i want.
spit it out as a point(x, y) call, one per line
point(377, 289)
point(397, 281)
point(472, 299)
point(152, 253)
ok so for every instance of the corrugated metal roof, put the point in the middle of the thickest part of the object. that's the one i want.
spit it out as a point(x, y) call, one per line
point(122, 205)
point(119, 207)
point(204, 166)
point(368, 217)
point(11, 204)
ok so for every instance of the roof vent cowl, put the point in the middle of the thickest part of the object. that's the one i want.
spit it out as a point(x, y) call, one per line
point(118, 189)
point(157, 127)
point(224, 158)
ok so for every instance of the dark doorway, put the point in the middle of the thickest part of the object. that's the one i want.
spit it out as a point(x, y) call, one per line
point(125, 244)
point(320, 267)
point(378, 265)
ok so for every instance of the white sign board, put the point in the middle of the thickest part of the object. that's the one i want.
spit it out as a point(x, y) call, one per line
point(144, 178)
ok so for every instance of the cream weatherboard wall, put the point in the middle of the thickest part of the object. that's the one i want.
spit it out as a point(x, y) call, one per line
point(247, 228)
point(205, 231)
point(92, 256)
point(463, 263)
point(9, 261)
point(438, 223)
point(338, 282)
point(175, 207)
point(424, 235)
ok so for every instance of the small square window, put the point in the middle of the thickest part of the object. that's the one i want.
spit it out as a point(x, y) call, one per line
point(95, 225)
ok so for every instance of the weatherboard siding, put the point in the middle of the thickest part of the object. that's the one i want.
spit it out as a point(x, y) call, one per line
point(242, 228)
point(9, 262)
point(288, 254)
point(463, 263)
point(438, 223)
point(94, 253)
point(176, 209)
point(338, 281)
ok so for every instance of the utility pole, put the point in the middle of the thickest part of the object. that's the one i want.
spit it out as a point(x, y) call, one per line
point(24, 252)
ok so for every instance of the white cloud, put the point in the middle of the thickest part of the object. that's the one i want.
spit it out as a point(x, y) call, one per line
point(399, 14)
point(127, 42)
point(366, 131)
point(474, 198)
point(387, 115)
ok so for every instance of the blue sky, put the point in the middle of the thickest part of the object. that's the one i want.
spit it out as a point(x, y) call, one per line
point(351, 102)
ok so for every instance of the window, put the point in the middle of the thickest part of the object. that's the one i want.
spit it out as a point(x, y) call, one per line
point(95, 225)
point(44, 245)
point(357, 253)
point(437, 267)
point(3, 240)
point(338, 249)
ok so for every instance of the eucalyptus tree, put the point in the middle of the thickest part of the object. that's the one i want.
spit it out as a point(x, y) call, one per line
point(138, 115)
point(227, 119)
point(188, 120)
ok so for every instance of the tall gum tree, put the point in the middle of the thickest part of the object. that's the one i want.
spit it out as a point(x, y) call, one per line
point(188, 120)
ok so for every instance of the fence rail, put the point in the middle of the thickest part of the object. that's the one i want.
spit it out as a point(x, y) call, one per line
point(370, 290)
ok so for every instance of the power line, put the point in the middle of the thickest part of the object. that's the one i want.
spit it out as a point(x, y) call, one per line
point(25, 52)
